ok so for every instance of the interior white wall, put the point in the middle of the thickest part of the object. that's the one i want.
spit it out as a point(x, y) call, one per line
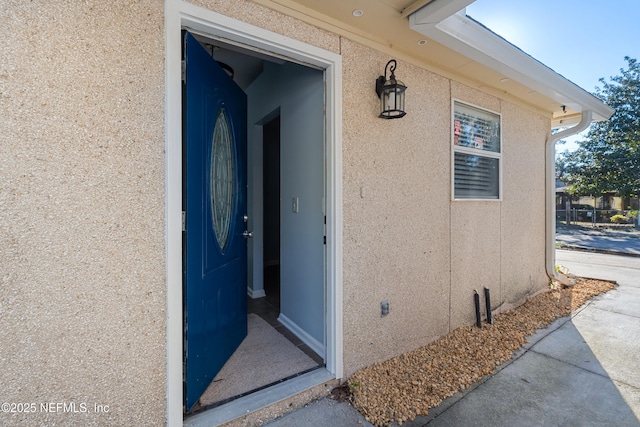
point(255, 258)
point(298, 93)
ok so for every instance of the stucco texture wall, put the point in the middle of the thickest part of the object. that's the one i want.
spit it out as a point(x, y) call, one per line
point(522, 215)
point(82, 282)
point(396, 210)
point(405, 240)
point(501, 245)
point(251, 13)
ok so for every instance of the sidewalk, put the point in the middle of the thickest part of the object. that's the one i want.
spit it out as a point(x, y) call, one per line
point(322, 413)
point(581, 370)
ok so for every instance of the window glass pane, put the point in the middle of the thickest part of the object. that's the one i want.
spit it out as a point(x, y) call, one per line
point(222, 179)
point(475, 128)
point(476, 177)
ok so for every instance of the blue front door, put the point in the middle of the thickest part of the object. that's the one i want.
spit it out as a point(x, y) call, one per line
point(215, 205)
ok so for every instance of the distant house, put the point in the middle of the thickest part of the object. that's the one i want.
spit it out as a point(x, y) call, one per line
point(608, 201)
point(176, 175)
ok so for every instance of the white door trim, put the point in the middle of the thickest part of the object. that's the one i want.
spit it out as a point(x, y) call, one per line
point(179, 14)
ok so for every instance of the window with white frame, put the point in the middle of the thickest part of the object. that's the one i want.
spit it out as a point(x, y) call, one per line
point(477, 153)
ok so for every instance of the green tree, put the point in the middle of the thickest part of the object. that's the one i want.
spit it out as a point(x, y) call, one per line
point(609, 158)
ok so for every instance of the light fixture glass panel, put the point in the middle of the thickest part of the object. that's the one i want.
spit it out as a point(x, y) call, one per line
point(392, 100)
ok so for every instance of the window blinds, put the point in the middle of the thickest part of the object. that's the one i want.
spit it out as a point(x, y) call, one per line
point(476, 146)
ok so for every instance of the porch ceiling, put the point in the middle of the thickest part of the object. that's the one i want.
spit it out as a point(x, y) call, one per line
point(385, 24)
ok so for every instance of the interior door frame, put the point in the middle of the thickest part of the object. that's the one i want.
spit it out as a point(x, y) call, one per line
point(179, 15)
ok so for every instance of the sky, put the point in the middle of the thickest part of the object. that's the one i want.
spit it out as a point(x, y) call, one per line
point(583, 40)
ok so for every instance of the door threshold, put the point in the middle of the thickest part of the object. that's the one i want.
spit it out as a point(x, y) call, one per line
point(259, 400)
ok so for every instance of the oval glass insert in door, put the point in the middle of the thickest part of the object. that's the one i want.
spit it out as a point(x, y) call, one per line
point(222, 179)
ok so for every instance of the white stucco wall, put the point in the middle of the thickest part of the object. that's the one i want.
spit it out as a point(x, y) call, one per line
point(82, 181)
point(406, 241)
point(397, 236)
point(82, 273)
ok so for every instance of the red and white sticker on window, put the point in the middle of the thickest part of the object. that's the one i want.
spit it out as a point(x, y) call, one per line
point(456, 131)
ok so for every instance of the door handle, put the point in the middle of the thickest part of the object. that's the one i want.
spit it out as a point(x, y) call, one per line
point(247, 234)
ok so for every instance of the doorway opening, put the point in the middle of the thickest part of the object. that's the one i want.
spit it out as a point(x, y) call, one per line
point(180, 15)
point(285, 221)
point(271, 214)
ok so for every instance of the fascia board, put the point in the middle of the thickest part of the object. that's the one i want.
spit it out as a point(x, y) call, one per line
point(437, 11)
point(476, 42)
point(563, 122)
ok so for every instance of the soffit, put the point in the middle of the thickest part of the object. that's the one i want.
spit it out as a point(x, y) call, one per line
point(385, 24)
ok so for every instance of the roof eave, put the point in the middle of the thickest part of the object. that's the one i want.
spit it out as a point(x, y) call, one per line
point(470, 38)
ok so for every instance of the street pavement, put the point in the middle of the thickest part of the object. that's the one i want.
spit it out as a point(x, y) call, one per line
point(609, 241)
point(582, 370)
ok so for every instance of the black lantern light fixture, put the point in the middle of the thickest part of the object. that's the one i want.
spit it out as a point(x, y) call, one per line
point(391, 93)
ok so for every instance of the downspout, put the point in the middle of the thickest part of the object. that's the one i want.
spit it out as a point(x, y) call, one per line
point(551, 196)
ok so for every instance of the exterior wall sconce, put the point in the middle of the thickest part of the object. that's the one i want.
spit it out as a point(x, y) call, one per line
point(391, 94)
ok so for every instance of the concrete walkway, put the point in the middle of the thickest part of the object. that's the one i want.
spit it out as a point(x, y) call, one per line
point(582, 370)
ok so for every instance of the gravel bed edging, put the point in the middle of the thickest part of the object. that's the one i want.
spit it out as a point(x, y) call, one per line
point(401, 388)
